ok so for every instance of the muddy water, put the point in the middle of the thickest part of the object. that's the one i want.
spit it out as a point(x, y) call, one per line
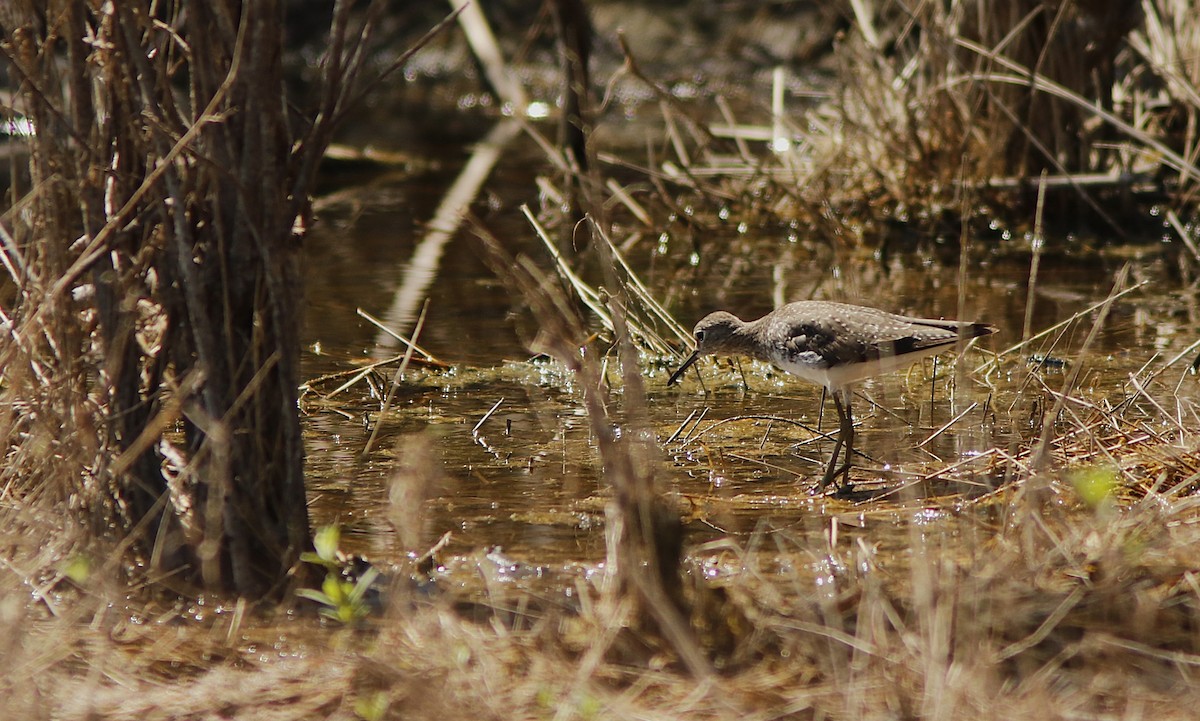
point(501, 454)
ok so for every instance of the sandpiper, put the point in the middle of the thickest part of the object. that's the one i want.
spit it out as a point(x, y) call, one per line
point(833, 345)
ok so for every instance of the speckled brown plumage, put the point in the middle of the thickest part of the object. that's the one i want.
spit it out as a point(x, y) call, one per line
point(831, 344)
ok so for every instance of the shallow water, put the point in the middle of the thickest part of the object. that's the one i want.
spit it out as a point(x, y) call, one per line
point(520, 492)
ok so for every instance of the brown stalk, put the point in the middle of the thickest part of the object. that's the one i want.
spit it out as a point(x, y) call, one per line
point(644, 528)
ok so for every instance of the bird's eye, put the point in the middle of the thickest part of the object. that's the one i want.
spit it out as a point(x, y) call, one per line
point(699, 336)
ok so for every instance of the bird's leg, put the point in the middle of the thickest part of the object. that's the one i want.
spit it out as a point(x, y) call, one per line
point(845, 440)
point(830, 473)
point(848, 432)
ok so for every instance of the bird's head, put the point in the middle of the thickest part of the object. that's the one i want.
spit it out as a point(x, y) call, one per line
point(714, 334)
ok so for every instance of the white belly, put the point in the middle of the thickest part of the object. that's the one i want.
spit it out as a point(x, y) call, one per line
point(809, 366)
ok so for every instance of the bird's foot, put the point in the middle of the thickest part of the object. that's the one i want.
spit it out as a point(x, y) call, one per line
point(839, 490)
point(831, 478)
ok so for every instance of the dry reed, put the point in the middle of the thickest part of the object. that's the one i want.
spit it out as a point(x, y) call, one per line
point(1079, 601)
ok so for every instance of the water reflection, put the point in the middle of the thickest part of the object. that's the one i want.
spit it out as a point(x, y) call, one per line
point(525, 483)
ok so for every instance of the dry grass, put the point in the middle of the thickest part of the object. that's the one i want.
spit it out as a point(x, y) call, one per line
point(949, 111)
point(1013, 606)
point(1069, 593)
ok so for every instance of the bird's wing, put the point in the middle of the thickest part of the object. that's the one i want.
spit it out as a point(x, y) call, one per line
point(888, 335)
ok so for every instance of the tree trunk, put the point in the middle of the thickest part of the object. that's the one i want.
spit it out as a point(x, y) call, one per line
point(163, 271)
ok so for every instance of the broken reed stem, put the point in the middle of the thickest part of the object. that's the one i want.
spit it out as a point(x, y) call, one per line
point(994, 362)
point(655, 543)
point(408, 342)
point(591, 298)
point(487, 51)
point(1041, 451)
point(387, 401)
point(1039, 239)
point(644, 531)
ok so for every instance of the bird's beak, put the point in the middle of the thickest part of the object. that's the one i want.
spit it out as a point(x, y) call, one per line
point(695, 356)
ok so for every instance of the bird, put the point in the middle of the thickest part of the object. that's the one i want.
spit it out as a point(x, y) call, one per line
point(833, 345)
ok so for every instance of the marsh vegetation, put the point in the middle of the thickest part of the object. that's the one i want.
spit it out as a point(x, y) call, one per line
point(448, 478)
